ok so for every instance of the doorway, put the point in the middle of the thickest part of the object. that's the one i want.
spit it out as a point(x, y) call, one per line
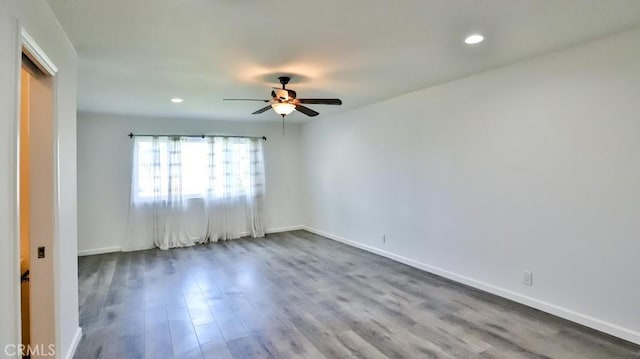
point(36, 208)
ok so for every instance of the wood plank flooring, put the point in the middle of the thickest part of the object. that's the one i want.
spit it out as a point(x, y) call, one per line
point(298, 295)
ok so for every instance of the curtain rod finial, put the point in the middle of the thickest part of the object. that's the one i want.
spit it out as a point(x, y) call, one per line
point(264, 138)
point(130, 134)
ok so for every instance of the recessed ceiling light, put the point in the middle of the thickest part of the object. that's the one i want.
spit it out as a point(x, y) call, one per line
point(474, 39)
point(177, 100)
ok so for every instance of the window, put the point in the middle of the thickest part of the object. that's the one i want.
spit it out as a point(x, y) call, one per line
point(182, 167)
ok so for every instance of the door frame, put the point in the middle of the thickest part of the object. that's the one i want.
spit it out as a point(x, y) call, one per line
point(28, 46)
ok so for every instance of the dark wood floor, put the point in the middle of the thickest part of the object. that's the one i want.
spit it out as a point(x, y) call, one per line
point(298, 295)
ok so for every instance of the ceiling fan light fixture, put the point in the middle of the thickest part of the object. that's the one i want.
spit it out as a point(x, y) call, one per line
point(283, 108)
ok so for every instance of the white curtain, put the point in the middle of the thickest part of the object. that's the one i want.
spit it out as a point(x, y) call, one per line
point(190, 190)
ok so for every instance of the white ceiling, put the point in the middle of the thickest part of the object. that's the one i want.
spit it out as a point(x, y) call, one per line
point(135, 55)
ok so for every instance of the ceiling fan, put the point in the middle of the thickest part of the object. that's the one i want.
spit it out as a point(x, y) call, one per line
point(283, 101)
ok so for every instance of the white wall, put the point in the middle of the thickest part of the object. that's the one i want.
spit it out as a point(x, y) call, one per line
point(104, 171)
point(534, 166)
point(36, 17)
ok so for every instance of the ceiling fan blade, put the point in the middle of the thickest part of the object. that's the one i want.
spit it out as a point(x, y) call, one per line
point(267, 108)
point(307, 111)
point(244, 99)
point(320, 101)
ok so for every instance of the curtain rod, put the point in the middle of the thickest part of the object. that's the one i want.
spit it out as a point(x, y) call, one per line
point(131, 135)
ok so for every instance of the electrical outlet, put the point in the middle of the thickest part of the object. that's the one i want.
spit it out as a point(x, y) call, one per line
point(527, 278)
point(383, 238)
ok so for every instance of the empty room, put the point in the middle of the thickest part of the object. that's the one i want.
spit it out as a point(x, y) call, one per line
point(333, 179)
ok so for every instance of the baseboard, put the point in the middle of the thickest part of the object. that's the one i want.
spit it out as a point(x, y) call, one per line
point(556, 310)
point(90, 252)
point(285, 229)
point(74, 344)
point(135, 249)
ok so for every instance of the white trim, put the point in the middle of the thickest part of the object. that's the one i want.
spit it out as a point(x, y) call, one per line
point(143, 248)
point(284, 229)
point(35, 53)
point(74, 344)
point(28, 46)
point(51, 70)
point(90, 252)
point(556, 310)
point(16, 188)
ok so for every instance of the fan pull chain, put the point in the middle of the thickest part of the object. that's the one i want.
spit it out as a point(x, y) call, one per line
point(283, 125)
